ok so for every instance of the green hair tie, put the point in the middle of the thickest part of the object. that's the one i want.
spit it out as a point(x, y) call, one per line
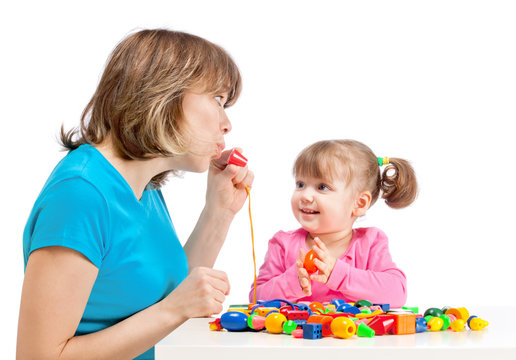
point(383, 161)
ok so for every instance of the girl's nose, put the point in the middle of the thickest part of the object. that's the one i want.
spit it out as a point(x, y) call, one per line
point(307, 196)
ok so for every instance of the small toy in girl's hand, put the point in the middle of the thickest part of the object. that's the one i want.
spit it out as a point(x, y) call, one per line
point(309, 264)
point(236, 158)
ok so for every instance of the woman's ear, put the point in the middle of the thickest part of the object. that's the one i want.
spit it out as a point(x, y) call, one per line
point(362, 203)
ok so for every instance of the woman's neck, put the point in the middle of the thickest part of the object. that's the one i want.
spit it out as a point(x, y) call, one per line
point(137, 173)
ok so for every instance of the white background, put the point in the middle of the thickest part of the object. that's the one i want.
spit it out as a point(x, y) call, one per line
point(433, 82)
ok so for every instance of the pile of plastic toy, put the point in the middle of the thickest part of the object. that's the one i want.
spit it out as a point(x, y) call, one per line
point(342, 320)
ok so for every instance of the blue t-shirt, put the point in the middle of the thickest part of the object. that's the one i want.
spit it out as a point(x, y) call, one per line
point(86, 205)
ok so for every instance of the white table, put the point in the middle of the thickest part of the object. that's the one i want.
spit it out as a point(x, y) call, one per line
point(194, 340)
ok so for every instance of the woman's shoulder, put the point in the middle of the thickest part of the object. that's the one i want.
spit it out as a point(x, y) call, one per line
point(86, 166)
point(73, 165)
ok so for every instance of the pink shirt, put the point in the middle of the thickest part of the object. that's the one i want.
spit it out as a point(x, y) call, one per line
point(365, 271)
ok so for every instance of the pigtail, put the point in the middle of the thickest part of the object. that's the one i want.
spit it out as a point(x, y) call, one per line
point(398, 183)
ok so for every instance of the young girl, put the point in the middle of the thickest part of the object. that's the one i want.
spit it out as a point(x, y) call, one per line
point(336, 182)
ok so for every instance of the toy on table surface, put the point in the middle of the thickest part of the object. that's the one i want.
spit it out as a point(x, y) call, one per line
point(315, 320)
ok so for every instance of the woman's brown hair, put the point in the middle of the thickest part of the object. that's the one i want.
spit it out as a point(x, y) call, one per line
point(138, 101)
point(358, 166)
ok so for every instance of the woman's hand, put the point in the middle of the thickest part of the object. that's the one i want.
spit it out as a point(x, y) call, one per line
point(226, 185)
point(302, 274)
point(325, 262)
point(201, 294)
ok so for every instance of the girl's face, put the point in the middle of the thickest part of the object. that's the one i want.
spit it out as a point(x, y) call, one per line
point(323, 207)
point(207, 123)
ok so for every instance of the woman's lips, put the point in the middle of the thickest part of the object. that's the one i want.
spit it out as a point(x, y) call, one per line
point(220, 149)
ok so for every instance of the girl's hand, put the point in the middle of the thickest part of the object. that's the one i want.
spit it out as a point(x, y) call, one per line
point(201, 293)
point(226, 185)
point(302, 274)
point(325, 263)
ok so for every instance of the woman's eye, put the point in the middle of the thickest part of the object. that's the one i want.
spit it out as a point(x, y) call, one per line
point(300, 185)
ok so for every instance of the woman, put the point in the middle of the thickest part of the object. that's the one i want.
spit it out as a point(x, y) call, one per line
point(106, 276)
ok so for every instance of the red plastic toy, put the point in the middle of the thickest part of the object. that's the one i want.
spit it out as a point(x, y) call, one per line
point(236, 158)
point(309, 262)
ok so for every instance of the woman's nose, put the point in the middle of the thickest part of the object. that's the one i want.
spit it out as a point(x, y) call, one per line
point(225, 124)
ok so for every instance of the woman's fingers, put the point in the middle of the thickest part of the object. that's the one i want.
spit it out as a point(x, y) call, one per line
point(203, 292)
point(222, 162)
point(216, 278)
point(244, 177)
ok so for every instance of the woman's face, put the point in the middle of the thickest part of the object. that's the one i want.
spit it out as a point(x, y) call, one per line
point(207, 123)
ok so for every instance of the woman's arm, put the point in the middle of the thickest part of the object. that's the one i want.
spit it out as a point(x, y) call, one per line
point(56, 288)
point(225, 195)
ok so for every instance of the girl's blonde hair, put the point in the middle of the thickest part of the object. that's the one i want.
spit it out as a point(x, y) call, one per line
point(138, 101)
point(357, 165)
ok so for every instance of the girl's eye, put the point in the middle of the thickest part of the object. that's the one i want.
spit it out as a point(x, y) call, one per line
point(300, 185)
point(323, 187)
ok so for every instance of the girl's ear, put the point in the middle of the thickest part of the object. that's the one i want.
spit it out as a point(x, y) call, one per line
point(362, 203)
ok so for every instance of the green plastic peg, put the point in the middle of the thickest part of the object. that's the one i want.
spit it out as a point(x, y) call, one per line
point(364, 331)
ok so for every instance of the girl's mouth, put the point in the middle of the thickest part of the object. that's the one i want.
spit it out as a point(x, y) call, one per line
point(309, 211)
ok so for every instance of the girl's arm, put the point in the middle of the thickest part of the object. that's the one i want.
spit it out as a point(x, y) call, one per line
point(380, 281)
point(56, 288)
point(277, 279)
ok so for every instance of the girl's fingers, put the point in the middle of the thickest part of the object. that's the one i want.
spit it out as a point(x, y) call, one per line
point(320, 244)
point(321, 266)
point(305, 286)
point(304, 273)
point(323, 278)
point(320, 253)
point(319, 248)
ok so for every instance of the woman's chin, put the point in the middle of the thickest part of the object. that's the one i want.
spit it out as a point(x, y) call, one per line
point(200, 168)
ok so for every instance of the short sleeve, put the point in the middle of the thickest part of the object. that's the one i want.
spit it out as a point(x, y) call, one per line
point(72, 214)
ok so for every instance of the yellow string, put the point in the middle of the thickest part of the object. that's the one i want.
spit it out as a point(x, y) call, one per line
point(252, 238)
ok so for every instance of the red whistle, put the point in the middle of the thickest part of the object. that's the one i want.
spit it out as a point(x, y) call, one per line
point(236, 158)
